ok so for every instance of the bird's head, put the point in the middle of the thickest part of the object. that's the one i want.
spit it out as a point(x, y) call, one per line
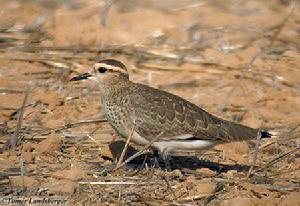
point(105, 71)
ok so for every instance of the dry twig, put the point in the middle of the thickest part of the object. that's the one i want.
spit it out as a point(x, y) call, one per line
point(279, 158)
point(69, 125)
point(104, 13)
point(125, 148)
point(22, 168)
point(108, 183)
point(258, 138)
point(13, 141)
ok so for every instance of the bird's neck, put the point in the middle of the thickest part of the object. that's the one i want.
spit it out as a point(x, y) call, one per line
point(114, 87)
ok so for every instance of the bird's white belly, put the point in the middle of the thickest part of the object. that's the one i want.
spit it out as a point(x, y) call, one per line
point(183, 145)
point(175, 145)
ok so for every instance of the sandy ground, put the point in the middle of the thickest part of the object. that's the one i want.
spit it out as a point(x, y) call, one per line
point(236, 59)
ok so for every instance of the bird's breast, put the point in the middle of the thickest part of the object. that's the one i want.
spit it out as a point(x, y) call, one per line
point(116, 116)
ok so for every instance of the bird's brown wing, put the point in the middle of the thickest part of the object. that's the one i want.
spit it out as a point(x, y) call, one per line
point(156, 111)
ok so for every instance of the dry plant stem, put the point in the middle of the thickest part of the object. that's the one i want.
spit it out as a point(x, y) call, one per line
point(281, 172)
point(218, 68)
point(279, 158)
point(88, 121)
point(104, 12)
point(15, 137)
point(108, 183)
point(70, 125)
point(22, 168)
point(12, 142)
point(283, 23)
point(282, 189)
point(138, 153)
point(125, 148)
point(258, 138)
point(11, 90)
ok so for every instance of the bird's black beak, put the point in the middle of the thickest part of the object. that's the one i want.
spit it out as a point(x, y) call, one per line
point(81, 77)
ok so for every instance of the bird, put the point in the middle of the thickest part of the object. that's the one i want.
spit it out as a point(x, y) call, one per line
point(146, 113)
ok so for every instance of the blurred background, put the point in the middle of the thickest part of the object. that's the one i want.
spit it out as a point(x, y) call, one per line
point(238, 59)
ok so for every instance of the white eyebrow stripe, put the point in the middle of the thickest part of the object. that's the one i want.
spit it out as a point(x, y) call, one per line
point(111, 67)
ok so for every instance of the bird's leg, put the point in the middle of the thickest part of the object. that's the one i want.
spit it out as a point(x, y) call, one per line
point(165, 156)
point(155, 161)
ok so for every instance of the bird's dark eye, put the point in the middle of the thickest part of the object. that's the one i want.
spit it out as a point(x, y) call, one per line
point(102, 69)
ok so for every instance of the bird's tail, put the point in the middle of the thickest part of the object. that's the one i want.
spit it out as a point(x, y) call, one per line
point(274, 133)
point(239, 132)
point(265, 134)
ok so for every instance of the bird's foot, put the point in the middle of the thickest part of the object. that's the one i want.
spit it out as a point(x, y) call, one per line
point(164, 156)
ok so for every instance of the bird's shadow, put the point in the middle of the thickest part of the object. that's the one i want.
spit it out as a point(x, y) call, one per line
point(177, 162)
